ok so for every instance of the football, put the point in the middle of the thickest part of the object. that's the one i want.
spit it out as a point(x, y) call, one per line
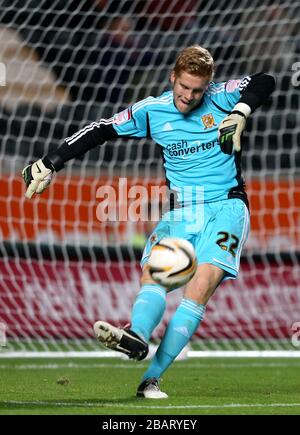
point(172, 262)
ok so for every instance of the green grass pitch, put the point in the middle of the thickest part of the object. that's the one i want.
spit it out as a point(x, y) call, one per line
point(107, 387)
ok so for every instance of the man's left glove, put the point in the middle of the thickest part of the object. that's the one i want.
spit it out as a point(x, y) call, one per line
point(37, 176)
point(232, 127)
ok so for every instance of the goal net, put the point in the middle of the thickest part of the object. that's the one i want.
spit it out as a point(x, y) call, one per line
point(65, 64)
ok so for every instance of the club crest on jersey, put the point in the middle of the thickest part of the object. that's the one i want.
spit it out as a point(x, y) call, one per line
point(122, 117)
point(208, 121)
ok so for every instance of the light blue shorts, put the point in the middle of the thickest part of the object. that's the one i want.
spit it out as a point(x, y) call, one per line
point(217, 230)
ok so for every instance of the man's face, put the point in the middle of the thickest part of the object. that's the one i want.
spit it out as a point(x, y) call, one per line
point(188, 90)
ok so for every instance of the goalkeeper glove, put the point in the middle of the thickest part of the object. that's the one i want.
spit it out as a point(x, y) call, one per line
point(232, 127)
point(37, 176)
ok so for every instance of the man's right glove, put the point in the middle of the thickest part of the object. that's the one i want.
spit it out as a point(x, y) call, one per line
point(37, 176)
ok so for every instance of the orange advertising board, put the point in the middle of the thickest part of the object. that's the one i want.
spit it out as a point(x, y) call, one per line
point(69, 211)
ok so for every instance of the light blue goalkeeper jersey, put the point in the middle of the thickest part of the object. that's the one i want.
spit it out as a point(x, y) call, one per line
point(194, 164)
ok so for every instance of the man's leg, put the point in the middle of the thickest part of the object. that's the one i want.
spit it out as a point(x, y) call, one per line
point(231, 219)
point(147, 312)
point(149, 306)
point(184, 322)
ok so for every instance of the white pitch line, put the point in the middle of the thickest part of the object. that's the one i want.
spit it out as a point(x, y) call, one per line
point(120, 405)
point(131, 365)
point(69, 366)
point(114, 354)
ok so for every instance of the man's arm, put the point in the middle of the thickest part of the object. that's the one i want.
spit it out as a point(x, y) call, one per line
point(82, 141)
point(254, 90)
point(38, 175)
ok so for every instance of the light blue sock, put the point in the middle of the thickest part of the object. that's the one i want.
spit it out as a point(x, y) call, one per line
point(148, 310)
point(182, 326)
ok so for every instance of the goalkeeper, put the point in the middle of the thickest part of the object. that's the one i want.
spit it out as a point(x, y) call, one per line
point(199, 125)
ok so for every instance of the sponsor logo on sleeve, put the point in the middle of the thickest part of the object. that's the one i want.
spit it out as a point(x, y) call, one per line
point(232, 85)
point(122, 117)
